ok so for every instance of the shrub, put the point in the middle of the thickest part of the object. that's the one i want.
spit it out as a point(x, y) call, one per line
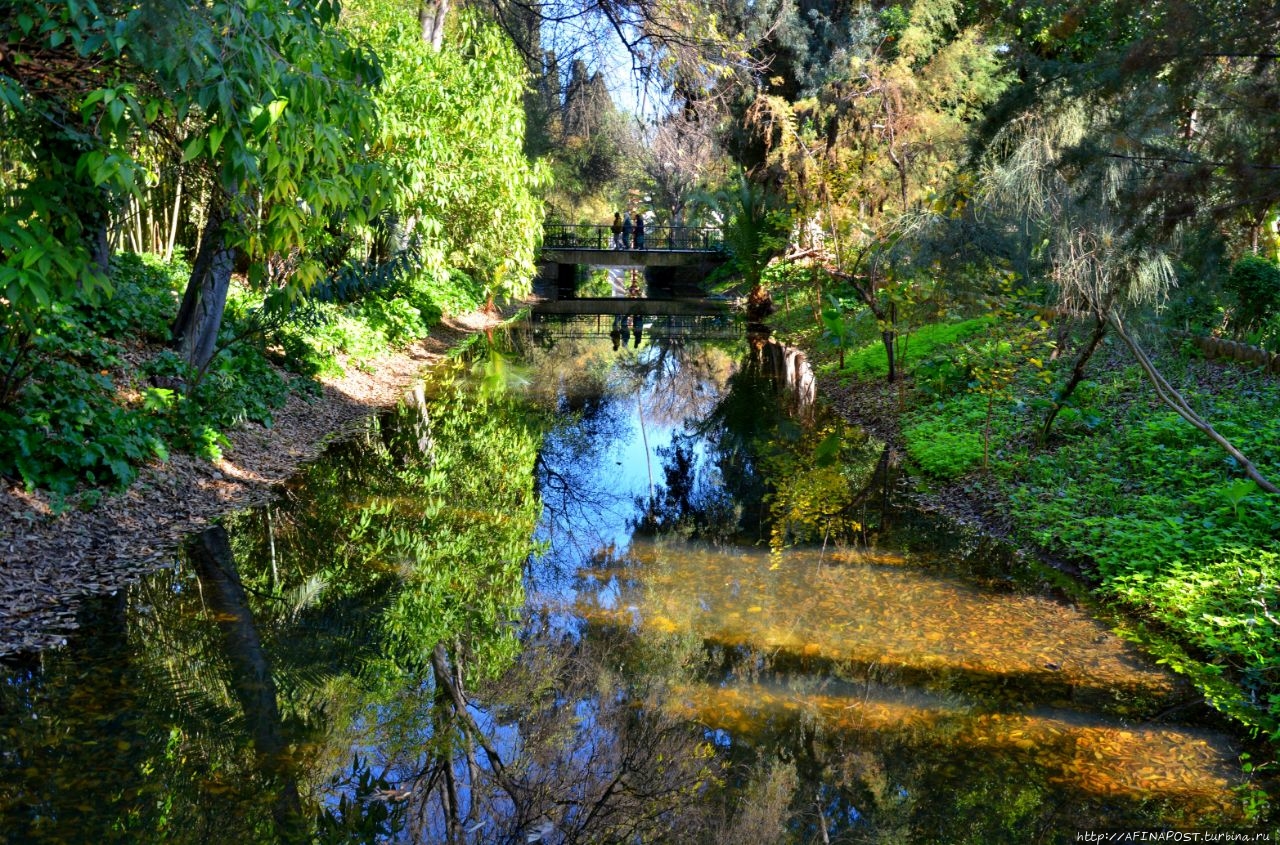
point(1255, 283)
point(453, 292)
point(144, 298)
point(313, 339)
point(67, 421)
point(942, 376)
point(66, 425)
point(395, 319)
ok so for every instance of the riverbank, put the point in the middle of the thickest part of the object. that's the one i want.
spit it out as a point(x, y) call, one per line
point(873, 406)
point(47, 559)
point(1143, 512)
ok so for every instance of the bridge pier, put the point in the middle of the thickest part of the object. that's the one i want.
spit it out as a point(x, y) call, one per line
point(566, 280)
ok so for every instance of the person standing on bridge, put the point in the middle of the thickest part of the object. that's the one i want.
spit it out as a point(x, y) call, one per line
point(639, 230)
point(626, 231)
point(616, 228)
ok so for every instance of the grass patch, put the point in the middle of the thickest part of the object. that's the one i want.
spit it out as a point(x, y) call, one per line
point(869, 362)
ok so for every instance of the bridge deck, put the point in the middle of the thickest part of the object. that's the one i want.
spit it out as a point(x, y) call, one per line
point(583, 236)
point(662, 246)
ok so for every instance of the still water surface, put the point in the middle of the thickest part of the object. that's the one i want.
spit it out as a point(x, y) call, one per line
point(573, 593)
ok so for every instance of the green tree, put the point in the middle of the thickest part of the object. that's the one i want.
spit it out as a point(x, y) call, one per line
point(274, 105)
point(755, 224)
point(266, 101)
point(1101, 268)
point(450, 139)
point(69, 105)
point(1255, 283)
point(876, 154)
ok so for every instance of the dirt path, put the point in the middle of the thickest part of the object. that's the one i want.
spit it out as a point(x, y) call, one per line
point(46, 561)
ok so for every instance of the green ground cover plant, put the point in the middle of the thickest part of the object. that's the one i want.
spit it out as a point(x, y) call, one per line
point(1171, 528)
point(103, 395)
point(944, 438)
point(868, 360)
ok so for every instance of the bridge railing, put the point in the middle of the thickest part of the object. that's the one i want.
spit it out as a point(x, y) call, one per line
point(585, 236)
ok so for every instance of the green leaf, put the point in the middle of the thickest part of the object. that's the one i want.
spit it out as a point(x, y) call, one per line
point(276, 108)
point(193, 148)
point(828, 449)
point(216, 134)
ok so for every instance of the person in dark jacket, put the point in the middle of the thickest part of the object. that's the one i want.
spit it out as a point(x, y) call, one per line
point(639, 230)
point(616, 228)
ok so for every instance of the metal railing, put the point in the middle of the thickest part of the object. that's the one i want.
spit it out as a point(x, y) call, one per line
point(585, 236)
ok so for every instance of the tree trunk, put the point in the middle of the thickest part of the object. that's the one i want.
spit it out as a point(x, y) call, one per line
point(431, 15)
point(100, 246)
point(886, 319)
point(888, 337)
point(1171, 397)
point(759, 304)
point(195, 331)
point(173, 224)
point(445, 679)
point(1077, 375)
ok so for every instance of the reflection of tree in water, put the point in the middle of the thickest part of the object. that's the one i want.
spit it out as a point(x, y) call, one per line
point(570, 376)
point(252, 680)
point(692, 501)
point(770, 461)
point(573, 385)
point(578, 503)
point(677, 381)
point(871, 768)
point(573, 745)
point(787, 369)
point(237, 676)
point(584, 772)
point(667, 384)
point(193, 716)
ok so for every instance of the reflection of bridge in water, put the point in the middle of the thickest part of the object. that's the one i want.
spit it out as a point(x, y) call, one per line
point(658, 319)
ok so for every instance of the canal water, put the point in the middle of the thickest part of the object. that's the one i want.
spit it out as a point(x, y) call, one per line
point(581, 590)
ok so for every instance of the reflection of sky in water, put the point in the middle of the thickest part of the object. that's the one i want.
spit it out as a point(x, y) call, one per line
point(609, 468)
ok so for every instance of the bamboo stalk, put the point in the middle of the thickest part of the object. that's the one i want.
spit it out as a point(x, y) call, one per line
point(152, 240)
point(137, 223)
point(173, 223)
